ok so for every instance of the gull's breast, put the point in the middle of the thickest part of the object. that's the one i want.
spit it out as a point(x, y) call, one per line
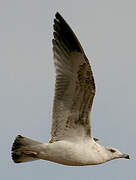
point(70, 153)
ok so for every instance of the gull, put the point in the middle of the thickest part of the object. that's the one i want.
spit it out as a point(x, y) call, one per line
point(71, 141)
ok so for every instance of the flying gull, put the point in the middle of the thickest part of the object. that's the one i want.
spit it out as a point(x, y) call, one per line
point(71, 142)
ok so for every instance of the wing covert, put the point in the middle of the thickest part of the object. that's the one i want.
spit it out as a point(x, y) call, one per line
point(75, 87)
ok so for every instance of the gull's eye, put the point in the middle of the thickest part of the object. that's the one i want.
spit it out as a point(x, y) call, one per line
point(112, 150)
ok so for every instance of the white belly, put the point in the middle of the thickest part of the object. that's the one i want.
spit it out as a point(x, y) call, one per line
point(69, 153)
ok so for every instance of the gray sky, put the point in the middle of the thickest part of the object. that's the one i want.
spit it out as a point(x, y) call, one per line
point(107, 32)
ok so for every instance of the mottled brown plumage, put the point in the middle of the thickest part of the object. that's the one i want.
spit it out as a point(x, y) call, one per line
point(71, 142)
point(75, 87)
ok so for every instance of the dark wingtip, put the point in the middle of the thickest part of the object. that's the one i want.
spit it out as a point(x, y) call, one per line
point(59, 17)
point(57, 14)
point(66, 35)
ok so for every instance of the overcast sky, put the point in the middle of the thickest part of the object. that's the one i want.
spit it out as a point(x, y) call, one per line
point(107, 32)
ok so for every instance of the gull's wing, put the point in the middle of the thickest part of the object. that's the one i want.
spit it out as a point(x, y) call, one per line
point(75, 87)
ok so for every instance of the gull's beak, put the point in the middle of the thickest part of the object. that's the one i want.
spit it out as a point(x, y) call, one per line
point(126, 156)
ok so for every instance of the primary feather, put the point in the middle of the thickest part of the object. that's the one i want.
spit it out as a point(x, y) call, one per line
point(75, 87)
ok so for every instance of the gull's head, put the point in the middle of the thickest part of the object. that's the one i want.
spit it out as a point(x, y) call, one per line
point(114, 153)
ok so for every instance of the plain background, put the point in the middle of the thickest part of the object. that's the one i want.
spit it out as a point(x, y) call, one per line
point(107, 32)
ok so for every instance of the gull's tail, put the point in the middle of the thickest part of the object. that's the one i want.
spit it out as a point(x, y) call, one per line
point(24, 149)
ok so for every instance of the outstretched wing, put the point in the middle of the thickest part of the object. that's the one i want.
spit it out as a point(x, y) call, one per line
point(75, 87)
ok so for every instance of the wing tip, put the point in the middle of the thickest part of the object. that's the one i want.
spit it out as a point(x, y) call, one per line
point(66, 33)
point(57, 15)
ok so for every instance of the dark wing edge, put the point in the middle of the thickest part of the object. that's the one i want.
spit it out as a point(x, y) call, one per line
point(65, 35)
point(75, 86)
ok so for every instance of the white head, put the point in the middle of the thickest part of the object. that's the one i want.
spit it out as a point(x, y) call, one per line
point(101, 154)
point(113, 153)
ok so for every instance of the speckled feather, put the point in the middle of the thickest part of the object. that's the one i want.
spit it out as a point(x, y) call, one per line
point(75, 87)
point(71, 142)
